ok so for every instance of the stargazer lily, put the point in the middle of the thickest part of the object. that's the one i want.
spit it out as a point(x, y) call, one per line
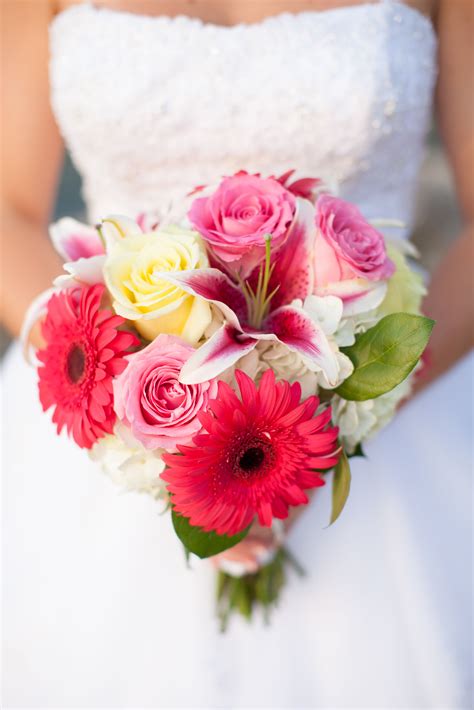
point(261, 311)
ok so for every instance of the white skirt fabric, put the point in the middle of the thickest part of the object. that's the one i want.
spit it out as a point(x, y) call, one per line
point(100, 610)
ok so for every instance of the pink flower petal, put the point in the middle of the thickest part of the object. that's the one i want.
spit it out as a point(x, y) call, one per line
point(358, 246)
point(293, 327)
point(292, 271)
point(221, 351)
point(74, 240)
point(213, 286)
point(303, 187)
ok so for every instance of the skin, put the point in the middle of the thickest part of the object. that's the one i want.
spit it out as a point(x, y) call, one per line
point(32, 153)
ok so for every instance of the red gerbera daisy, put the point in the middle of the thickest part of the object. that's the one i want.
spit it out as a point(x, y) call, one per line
point(258, 456)
point(84, 352)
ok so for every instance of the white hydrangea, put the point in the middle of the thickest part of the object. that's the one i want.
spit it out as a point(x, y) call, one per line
point(349, 327)
point(286, 365)
point(129, 464)
point(359, 421)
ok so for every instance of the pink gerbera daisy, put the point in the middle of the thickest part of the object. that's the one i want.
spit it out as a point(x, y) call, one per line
point(84, 352)
point(257, 457)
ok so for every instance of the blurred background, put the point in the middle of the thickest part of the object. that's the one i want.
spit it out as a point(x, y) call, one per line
point(437, 215)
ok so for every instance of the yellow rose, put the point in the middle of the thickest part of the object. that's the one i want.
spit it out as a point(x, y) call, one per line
point(132, 274)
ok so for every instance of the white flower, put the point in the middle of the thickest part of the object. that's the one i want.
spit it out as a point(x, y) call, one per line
point(346, 368)
point(327, 312)
point(354, 419)
point(129, 464)
point(251, 363)
point(354, 325)
point(359, 421)
point(287, 365)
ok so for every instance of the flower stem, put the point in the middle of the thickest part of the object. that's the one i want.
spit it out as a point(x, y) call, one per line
point(260, 300)
point(261, 590)
point(266, 276)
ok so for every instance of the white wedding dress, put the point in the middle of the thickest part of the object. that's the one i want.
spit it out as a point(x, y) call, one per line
point(99, 607)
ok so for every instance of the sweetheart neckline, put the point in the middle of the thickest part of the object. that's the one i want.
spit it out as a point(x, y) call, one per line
point(270, 19)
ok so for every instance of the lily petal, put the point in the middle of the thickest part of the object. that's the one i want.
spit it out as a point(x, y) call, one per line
point(74, 240)
point(83, 271)
point(116, 227)
point(302, 187)
point(213, 286)
point(357, 295)
point(292, 272)
point(293, 327)
point(226, 346)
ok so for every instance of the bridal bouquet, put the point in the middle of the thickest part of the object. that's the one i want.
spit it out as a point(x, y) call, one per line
point(228, 363)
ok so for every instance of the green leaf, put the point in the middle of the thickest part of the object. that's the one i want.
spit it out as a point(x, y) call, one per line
point(385, 355)
point(341, 485)
point(203, 544)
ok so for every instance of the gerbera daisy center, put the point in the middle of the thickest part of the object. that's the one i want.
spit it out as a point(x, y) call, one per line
point(252, 458)
point(76, 363)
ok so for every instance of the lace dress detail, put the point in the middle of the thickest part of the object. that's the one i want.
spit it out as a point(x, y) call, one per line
point(169, 103)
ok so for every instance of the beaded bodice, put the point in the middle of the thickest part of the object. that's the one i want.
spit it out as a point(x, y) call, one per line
point(153, 106)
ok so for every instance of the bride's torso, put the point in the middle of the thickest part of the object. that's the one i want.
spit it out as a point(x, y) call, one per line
point(153, 106)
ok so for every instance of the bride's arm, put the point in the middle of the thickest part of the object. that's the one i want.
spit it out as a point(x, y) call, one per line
point(450, 300)
point(32, 155)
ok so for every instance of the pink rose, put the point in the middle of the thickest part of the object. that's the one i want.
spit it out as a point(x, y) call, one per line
point(159, 410)
point(347, 246)
point(236, 217)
